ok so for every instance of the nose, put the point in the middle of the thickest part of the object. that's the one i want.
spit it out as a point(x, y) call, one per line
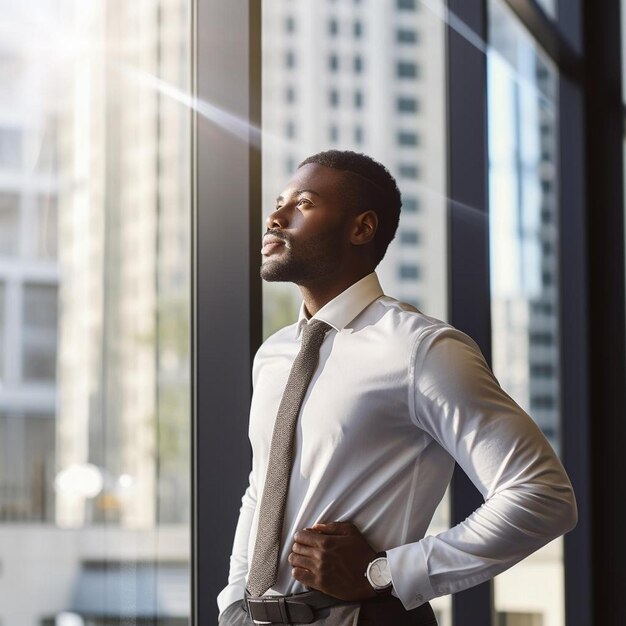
point(277, 219)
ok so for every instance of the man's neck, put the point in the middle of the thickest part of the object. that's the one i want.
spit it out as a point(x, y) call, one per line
point(318, 295)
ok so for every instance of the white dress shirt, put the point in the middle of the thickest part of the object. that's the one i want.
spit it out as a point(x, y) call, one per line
point(397, 397)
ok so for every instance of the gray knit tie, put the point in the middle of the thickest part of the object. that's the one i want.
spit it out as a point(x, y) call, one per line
point(264, 568)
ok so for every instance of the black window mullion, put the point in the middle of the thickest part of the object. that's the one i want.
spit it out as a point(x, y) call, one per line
point(604, 229)
point(574, 374)
point(468, 241)
point(227, 294)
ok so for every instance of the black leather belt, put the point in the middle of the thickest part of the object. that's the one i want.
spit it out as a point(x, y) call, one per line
point(298, 608)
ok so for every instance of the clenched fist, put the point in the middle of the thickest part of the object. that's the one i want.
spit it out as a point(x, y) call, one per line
point(332, 558)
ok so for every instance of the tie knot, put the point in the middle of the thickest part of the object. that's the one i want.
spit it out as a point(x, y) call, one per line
point(315, 329)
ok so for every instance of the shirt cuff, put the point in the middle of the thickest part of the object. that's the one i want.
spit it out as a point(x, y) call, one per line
point(409, 575)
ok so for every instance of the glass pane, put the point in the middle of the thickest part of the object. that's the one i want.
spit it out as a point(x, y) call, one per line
point(524, 184)
point(47, 228)
point(10, 147)
point(26, 462)
point(2, 331)
point(39, 332)
point(94, 312)
point(368, 77)
point(9, 224)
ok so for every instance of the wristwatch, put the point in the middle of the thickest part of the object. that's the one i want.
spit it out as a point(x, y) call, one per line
point(378, 573)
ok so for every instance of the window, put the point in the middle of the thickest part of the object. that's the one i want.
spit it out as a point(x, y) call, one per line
point(405, 35)
point(39, 334)
point(357, 29)
point(47, 156)
point(290, 24)
point(358, 64)
point(358, 135)
point(333, 62)
point(407, 138)
point(407, 69)
point(95, 316)
point(333, 97)
point(407, 104)
point(333, 27)
point(46, 246)
point(542, 370)
point(522, 95)
point(409, 237)
point(407, 170)
point(541, 339)
point(407, 5)
point(290, 129)
point(2, 342)
point(410, 204)
point(290, 94)
point(409, 272)
point(9, 224)
point(358, 99)
point(290, 59)
point(10, 147)
point(542, 402)
point(543, 308)
point(333, 133)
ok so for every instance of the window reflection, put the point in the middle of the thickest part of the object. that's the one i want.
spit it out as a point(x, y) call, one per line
point(524, 274)
point(94, 313)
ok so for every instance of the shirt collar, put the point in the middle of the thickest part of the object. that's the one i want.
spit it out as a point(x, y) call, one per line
point(343, 308)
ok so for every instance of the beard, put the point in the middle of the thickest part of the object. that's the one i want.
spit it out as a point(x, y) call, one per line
point(310, 261)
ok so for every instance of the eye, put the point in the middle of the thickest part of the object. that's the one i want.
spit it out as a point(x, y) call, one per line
point(304, 201)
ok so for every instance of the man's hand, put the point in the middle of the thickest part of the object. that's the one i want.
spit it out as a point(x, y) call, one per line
point(332, 558)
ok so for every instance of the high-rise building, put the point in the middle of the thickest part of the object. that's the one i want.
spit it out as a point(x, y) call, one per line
point(29, 282)
point(95, 307)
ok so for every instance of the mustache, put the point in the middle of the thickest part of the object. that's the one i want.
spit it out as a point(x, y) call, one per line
point(278, 234)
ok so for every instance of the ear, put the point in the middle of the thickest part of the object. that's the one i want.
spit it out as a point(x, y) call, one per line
point(364, 228)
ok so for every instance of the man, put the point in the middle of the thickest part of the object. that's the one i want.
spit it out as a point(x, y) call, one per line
point(355, 434)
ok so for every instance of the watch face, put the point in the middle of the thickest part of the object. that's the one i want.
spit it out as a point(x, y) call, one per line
point(379, 573)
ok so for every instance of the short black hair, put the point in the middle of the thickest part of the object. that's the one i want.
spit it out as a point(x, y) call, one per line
point(372, 188)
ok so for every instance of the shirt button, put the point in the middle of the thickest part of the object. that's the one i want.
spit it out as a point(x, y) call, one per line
point(419, 597)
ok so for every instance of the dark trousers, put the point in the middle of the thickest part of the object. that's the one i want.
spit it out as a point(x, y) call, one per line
point(381, 611)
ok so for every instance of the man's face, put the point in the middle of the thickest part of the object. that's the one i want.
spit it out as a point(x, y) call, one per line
point(307, 238)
